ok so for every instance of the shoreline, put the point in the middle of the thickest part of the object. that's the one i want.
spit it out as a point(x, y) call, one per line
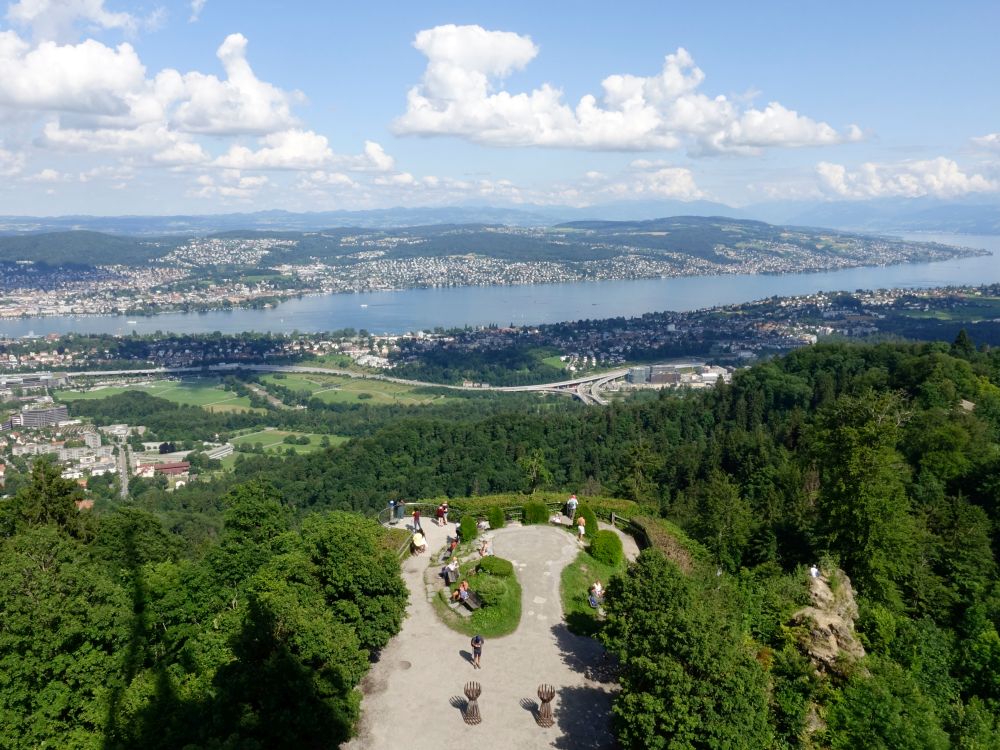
point(274, 303)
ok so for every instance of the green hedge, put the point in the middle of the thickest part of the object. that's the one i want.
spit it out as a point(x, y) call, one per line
point(602, 506)
point(496, 566)
point(496, 517)
point(467, 528)
point(607, 548)
point(535, 512)
point(588, 513)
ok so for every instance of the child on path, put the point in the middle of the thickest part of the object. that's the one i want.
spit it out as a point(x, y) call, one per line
point(416, 520)
point(477, 650)
point(581, 527)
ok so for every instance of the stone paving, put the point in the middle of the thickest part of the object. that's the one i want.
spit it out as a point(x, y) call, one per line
point(413, 696)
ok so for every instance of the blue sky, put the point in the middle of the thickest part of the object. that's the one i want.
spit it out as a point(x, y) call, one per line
point(112, 107)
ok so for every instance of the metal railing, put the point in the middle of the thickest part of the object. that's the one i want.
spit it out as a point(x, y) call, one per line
point(387, 516)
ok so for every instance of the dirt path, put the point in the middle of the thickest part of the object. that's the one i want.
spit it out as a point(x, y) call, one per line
point(413, 696)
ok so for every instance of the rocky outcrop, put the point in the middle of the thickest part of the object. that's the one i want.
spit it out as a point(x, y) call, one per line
point(826, 627)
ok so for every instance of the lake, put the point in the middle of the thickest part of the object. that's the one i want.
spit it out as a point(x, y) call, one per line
point(416, 309)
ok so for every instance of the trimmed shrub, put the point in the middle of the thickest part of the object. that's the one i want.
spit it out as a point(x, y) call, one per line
point(496, 566)
point(607, 547)
point(491, 590)
point(467, 528)
point(536, 512)
point(586, 512)
point(496, 517)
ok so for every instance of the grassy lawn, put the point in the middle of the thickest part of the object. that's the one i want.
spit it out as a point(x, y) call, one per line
point(336, 362)
point(341, 389)
point(273, 440)
point(972, 308)
point(554, 361)
point(574, 586)
point(204, 392)
point(492, 620)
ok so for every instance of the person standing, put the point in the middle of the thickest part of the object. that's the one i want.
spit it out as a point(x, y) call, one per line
point(477, 650)
point(416, 520)
point(400, 510)
point(571, 505)
point(581, 527)
point(445, 506)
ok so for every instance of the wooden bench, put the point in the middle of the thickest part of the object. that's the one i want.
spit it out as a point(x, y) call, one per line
point(472, 602)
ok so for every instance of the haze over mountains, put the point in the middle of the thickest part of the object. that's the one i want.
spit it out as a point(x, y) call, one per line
point(885, 215)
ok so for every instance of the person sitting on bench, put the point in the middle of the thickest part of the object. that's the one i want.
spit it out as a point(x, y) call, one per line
point(461, 593)
point(450, 571)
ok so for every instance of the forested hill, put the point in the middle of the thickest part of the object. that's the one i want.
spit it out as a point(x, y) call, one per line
point(82, 248)
point(145, 627)
point(884, 460)
point(718, 240)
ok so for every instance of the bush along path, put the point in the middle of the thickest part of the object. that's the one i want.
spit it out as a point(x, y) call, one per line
point(413, 695)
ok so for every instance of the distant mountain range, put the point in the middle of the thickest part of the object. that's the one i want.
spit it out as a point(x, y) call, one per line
point(887, 215)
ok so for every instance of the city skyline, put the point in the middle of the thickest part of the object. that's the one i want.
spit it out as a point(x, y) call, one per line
point(116, 108)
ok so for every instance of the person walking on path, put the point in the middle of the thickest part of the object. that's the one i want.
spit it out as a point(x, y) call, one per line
point(581, 528)
point(400, 510)
point(477, 650)
point(445, 506)
point(416, 520)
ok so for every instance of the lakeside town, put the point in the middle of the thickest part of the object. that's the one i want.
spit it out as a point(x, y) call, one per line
point(231, 272)
point(742, 333)
point(653, 351)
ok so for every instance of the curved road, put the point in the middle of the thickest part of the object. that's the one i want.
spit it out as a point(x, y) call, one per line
point(576, 387)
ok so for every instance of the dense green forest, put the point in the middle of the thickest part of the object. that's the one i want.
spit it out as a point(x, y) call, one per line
point(82, 248)
point(863, 455)
point(879, 461)
point(116, 634)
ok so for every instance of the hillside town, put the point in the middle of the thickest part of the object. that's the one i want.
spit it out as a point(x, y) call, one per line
point(212, 273)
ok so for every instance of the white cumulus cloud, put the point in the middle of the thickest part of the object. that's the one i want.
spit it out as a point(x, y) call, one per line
point(461, 94)
point(991, 141)
point(57, 19)
point(939, 178)
point(89, 77)
point(229, 184)
point(241, 103)
point(290, 149)
point(304, 150)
